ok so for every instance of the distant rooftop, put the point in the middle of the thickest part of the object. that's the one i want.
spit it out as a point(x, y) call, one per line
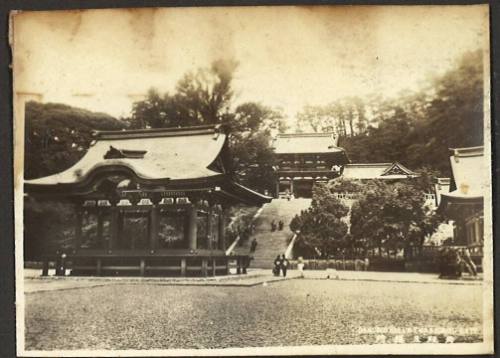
point(301, 143)
point(377, 171)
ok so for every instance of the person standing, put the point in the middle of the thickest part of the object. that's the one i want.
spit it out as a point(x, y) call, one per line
point(284, 265)
point(253, 245)
point(277, 266)
point(467, 260)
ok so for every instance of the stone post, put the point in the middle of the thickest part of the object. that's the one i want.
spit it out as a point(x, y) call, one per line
point(78, 226)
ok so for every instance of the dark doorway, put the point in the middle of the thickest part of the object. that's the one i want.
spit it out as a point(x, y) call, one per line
point(134, 230)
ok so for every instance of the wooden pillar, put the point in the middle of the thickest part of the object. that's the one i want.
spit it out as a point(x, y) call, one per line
point(100, 212)
point(193, 226)
point(210, 235)
point(277, 188)
point(115, 216)
point(78, 226)
point(214, 267)
point(291, 187)
point(222, 229)
point(154, 226)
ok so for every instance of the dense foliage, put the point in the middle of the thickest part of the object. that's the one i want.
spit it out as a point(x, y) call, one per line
point(321, 228)
point(382, 217)
point(57, 136)
point(48, 226)
point(415, 128)
point(206, 97)
point(391, 217)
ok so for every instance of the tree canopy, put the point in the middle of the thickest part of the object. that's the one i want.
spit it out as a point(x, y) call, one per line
point(415, 128)
point(205, 96)
point(321, 229)
point(392, 216)
point(200, 97)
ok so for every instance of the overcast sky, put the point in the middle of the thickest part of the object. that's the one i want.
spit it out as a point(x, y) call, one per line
point(103, 60)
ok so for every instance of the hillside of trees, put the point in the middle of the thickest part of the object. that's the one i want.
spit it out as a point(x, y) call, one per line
point(416, 128)
point(57, 136)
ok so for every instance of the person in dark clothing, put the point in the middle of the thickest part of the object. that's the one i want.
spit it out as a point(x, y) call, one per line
point(273, 225)
point(253, 245)
point(284, 264)
point(277, 266)
point(280, 225)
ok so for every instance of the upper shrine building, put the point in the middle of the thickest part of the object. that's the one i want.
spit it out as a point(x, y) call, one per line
point(304, 159)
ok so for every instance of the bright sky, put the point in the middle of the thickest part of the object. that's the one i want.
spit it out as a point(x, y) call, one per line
point(103, 60)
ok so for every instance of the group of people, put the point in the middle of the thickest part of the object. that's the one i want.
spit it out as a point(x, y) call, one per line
point(280, 225)
point(456, 260)
point(280, 265)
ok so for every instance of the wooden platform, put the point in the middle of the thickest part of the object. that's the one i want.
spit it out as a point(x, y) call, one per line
point(143, 263)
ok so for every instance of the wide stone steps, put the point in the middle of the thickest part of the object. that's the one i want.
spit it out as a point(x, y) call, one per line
point(269, 243)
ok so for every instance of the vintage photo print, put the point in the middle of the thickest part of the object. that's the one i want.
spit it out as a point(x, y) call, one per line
point(253, 181)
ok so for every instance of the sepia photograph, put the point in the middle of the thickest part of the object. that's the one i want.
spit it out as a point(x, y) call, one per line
point(253, 180)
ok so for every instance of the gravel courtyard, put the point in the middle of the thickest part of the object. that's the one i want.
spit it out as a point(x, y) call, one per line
point(293, 312)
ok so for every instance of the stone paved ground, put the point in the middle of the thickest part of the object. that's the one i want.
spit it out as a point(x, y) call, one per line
point(292, 312)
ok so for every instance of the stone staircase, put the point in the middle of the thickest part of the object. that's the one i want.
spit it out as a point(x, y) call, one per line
point(270, 244)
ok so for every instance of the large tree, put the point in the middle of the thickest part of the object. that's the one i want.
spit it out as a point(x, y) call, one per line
point(205, 96)
point(252, 127)
point(392, 216)
point(321, 229)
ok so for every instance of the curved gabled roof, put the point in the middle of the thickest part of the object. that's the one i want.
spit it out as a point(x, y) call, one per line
point(156, 154)
point(377, 171)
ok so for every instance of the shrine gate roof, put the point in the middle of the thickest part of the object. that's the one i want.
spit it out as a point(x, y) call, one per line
point(377, 171)
point(302, 143)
